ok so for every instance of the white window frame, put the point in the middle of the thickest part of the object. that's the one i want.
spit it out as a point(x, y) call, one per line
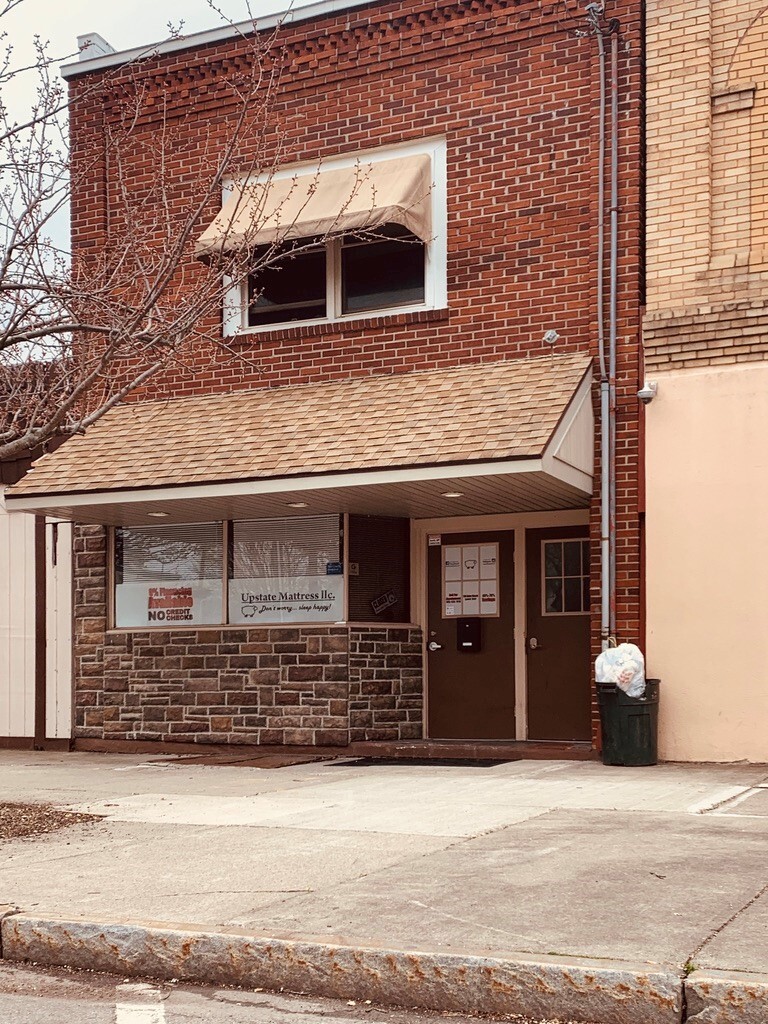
point(560, 540)
point(226, 622)
point(235, 312)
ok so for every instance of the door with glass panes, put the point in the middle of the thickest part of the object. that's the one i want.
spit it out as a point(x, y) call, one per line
point(557, 642)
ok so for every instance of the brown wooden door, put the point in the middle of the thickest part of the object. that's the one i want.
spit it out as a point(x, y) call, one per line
point(472, 693)
point(557, 634)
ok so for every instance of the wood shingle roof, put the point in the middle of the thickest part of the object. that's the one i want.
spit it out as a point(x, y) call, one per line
point(470, 413)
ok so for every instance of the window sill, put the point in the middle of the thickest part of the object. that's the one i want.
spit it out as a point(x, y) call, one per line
point(295, 332)
point(222, 627)
point(199, 627)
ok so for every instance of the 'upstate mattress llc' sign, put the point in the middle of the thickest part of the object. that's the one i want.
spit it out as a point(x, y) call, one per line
point(287, 599)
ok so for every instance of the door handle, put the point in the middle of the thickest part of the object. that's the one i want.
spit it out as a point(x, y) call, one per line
point(434, 646)
point(533, 643)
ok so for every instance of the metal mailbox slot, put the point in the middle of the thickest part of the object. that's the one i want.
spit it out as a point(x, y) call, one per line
point(469, 634)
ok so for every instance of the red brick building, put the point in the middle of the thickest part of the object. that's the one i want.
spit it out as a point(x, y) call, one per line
point(378, 524)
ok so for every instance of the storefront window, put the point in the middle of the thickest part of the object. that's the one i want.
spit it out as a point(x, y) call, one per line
point(286, 570)
point(270, 571)
point(379, 569)
point(168, 575)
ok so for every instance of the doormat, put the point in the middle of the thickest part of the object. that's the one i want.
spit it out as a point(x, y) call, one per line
point(249, 761)
point(424, 762)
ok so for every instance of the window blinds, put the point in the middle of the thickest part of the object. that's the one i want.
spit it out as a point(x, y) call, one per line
point(379, 548)
point(168, 553)
point(283, 548)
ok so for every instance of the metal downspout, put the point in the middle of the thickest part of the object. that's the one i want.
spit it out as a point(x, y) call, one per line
point(594, 13)
point(613, 316)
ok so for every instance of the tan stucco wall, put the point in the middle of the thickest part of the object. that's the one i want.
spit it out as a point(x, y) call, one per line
point(707, 561)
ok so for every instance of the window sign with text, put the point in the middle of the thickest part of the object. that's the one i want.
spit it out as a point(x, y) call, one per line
point(287, 599)
point(162, 603)
point(470, 580)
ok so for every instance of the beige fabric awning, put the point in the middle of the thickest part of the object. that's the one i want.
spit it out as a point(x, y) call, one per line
point(320, 203)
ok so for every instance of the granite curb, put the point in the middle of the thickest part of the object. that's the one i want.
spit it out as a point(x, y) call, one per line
point(6, 910)
point(608, 992)
point(577, 989)
point(726, 997)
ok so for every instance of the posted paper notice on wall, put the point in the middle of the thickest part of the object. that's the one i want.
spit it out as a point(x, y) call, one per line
point(470, 580)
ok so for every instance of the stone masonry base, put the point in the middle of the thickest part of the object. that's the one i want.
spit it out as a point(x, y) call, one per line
point(304, 685)
point(314, 685)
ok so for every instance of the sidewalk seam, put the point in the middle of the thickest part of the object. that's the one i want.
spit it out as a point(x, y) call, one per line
point(721, 928)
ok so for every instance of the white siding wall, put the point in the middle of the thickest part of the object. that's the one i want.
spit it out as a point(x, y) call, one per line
point(17, 623)
point(58, 700)
point(17, 627)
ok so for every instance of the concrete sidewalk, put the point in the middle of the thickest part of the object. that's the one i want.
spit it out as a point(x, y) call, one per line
point(664, 868)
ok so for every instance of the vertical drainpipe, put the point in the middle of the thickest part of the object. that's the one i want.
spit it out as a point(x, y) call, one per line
point(613, 315)
point(594, 15)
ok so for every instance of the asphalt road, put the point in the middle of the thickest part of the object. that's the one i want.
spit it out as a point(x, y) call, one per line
point(31, 995)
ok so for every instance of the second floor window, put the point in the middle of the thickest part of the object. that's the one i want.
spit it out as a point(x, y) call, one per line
point(360, 273)
point(350, 238)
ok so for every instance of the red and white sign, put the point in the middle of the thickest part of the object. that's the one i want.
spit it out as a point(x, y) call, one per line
point(168, 604)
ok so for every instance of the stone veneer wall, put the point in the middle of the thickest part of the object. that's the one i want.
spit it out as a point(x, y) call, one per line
point(308, 685)
point(386, 684)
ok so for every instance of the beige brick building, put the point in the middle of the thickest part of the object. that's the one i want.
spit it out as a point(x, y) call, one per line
point(706, 347)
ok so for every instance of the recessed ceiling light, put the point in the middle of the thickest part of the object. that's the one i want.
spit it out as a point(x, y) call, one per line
point(157, 515)
point(297, 504)
point(453, 494)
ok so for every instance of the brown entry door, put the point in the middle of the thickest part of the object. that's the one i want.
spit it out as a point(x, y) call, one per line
point(557, 634)
point(472, 657)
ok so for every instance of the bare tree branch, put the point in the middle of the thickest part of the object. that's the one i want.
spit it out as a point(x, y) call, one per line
point(81, 331)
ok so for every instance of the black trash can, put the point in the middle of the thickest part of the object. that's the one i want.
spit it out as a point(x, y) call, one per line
point(630, 724)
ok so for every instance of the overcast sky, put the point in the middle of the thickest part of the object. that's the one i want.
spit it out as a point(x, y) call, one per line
point(123, 23)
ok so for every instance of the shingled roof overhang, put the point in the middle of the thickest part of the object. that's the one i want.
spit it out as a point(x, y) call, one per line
point(511, 436)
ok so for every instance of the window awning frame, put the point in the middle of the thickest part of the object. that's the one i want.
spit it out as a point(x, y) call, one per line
point(324, 203)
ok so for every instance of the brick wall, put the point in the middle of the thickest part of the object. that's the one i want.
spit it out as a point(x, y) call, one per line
point(307, 685)
point(707, 210)
point(512, 87)
point(715, 335)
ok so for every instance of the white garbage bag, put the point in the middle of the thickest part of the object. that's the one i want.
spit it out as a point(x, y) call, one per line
point(623, 665)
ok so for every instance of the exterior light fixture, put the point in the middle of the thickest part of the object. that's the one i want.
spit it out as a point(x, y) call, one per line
point(297, 504)
point(648, 392)
point(158, 515)
point(453, 494)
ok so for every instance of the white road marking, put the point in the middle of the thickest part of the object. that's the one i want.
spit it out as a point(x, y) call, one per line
point(142, 1004)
